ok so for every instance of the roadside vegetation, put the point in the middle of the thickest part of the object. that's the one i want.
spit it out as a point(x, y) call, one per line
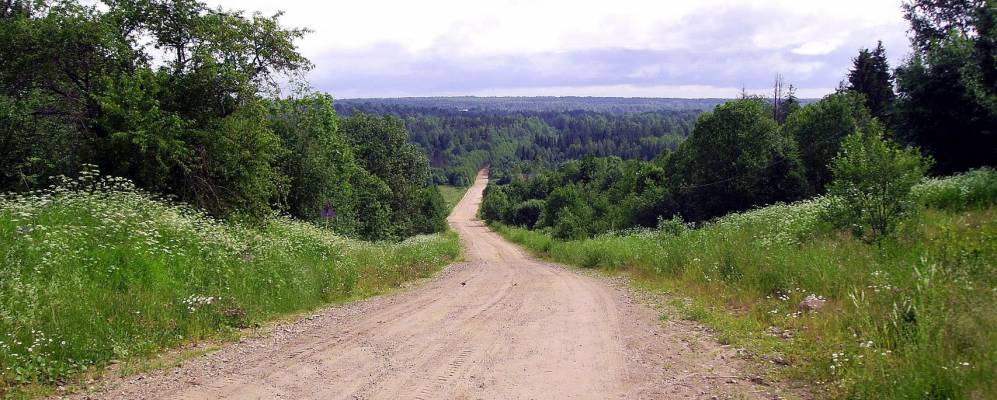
point(452, 195)
point(852, 238)
point(96, 270)
point(909, 318)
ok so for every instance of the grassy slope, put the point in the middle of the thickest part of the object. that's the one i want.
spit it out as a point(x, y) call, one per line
point(87, 277)
point(451, 194)
point(913, 319)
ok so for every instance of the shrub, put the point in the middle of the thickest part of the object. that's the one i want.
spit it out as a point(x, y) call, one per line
point(527, 213)
point(873, 178)
point(672, 226)
point(569, 226)
point(973, 189)
point(494, 205)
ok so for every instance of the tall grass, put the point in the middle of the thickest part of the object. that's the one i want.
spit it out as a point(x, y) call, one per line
point(451, 194)
point(911, 319)
point(94, 270)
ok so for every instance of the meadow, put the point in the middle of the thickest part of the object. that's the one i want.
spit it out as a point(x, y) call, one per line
point(95, 271)
point(912, 317)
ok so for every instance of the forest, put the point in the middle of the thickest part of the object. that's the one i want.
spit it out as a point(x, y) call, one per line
point(459, 145)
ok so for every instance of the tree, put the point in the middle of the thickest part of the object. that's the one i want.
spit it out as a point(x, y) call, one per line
point(932, 21)
point(948, 88)
point(872, 184)
point(190, 121)
point(790, 105)
point(319, 162)
point(734, 159)
point(819, 128)
point(870, 76)
point(777, 99)
point(382, 148)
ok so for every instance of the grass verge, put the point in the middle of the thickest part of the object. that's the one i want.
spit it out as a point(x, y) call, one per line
point(451, 194)
point(95, 271)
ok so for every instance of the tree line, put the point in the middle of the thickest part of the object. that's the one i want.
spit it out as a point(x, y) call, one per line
point(458, 144)
point(185, 100)
point(755, 151)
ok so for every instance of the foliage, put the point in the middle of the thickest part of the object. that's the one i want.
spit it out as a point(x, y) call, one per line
point(948, 88)
point(735, 159)
point(192, 126)
point(873, 178)
point(870, 76)
point(819, 127)
point(460, 143)
point(495, 204)
point(94, 270)
point(971, 190)
point(527, 213)
point(382, 147)
point(199, 118)
point(910, 319)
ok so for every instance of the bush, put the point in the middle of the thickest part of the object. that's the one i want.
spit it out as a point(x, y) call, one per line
point(527, 213)
point(673, 226)
point(494, 205)
point(569, 226)
point(873, 178)
point(973, 189)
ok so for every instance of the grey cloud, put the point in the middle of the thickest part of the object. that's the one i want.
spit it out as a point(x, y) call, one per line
point(716, 50)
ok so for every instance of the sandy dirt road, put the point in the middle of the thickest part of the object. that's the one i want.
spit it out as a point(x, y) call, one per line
point(501, 325)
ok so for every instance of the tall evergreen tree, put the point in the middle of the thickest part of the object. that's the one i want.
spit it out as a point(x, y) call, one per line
point(870, 75)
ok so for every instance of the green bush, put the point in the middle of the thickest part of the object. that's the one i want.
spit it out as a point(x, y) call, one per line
point(527, 213)
point(569, 226)
point(495, 204)
point(973, 189)
point(671, 226)
point(873, 178)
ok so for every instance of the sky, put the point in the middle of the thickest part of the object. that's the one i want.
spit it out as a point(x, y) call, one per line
point(626, 48)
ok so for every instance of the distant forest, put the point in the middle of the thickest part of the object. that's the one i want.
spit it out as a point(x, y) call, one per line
point(612, 105)
point(459, 139)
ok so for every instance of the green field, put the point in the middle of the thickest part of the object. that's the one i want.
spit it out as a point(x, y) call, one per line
point(95, 271)
point(909, 319)
point(452, 194)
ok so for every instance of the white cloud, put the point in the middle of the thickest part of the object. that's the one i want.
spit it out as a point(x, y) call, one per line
point(368, 36)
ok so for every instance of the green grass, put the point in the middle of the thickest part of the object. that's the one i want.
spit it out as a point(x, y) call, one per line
point(452, 194)
point(911, 319)
point(95, 271)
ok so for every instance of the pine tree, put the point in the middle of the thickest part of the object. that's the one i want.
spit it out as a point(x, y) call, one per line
point(870, 75)
point(790, 104)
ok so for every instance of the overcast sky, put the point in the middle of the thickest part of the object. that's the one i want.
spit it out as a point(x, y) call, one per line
point(654, 48)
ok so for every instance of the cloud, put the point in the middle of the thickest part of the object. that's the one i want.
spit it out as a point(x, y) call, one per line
point(550, 47)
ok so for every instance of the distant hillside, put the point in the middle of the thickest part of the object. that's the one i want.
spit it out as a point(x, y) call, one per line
point(470, 104)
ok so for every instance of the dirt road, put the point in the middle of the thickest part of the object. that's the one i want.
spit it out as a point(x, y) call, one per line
point(502, 325)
